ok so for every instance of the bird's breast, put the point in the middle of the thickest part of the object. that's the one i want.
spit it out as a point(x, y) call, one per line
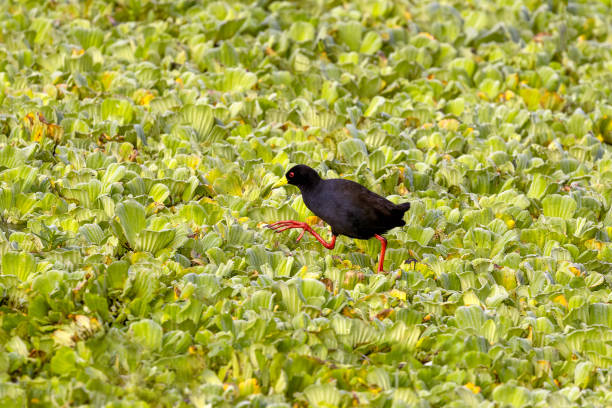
point(318, 203)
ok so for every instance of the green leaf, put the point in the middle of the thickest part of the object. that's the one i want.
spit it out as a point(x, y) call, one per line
point(513, 395)
point(583, 373)
point(350, 34)
point(470, 317)
point(97, 304)
point(302, 31)
point(600, 313)
point(322, 395)
point(201, 119)
point(20, 264)
point(556, 205)
point(132, 220)
point(153, 241)
point(531, 97)
point(159, 192)
point(11, 157)
point(579, 124)
point(372, 42)
point(291, 298)
point(237, 80)
point(64, 361)
point(88, 38)
point(117, 274)
point(539, 186)
point(93, 233)
point(119, 110)
point(147, 333)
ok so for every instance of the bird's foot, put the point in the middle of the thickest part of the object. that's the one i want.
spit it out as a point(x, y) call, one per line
point(281, 226)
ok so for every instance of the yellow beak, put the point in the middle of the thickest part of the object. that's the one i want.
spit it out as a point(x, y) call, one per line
point(281, 182)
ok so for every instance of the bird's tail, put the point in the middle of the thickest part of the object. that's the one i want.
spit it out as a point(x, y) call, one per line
point(403, 207)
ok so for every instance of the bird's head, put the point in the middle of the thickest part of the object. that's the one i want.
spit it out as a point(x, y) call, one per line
point(302, 176)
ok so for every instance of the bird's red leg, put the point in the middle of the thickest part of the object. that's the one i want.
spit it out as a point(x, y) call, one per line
point(383, 249)
point(281, 226)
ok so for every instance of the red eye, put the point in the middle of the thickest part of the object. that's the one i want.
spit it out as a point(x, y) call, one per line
point(290, 174)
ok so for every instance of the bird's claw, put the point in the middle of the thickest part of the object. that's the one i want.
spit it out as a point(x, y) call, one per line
point(281, 226)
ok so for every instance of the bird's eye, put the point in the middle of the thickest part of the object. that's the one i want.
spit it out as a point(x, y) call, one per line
point(291, 174)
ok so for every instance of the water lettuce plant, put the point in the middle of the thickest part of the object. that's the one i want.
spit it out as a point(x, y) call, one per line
point(139, 145)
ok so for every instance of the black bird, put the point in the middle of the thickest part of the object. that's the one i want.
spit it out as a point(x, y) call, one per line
point(348, 207)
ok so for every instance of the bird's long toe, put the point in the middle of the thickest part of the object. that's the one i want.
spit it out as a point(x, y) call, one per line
point(281, 229)
point(274, 225)
point(277, 225)
point(281, 226)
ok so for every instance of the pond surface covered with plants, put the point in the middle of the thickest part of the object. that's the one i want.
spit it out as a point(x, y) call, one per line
point(139, 144)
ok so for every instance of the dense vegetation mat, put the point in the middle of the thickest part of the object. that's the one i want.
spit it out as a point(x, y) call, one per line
point(139, 141)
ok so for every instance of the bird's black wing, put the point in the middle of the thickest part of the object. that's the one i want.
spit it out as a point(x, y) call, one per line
point(361, 212)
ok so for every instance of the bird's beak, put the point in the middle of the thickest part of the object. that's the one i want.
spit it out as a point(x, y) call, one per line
point(281, 182)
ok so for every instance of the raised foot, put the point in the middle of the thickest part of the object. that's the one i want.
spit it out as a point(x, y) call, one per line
point(281, 226)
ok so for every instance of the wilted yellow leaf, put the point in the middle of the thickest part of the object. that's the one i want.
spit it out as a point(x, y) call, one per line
point(593, 244)
point(312, 220)
point(29, 118)
point(95, 323)
point(347, 264)
point(530, 334)
point(146, 98)
point(55, 132)
point(561, 300)
point(544, 364)
point(83, 322)
point(193, 161)
point(398, 294)
point(37, 133)
point(107, 79)
point(472, 387)
point(63, 338)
